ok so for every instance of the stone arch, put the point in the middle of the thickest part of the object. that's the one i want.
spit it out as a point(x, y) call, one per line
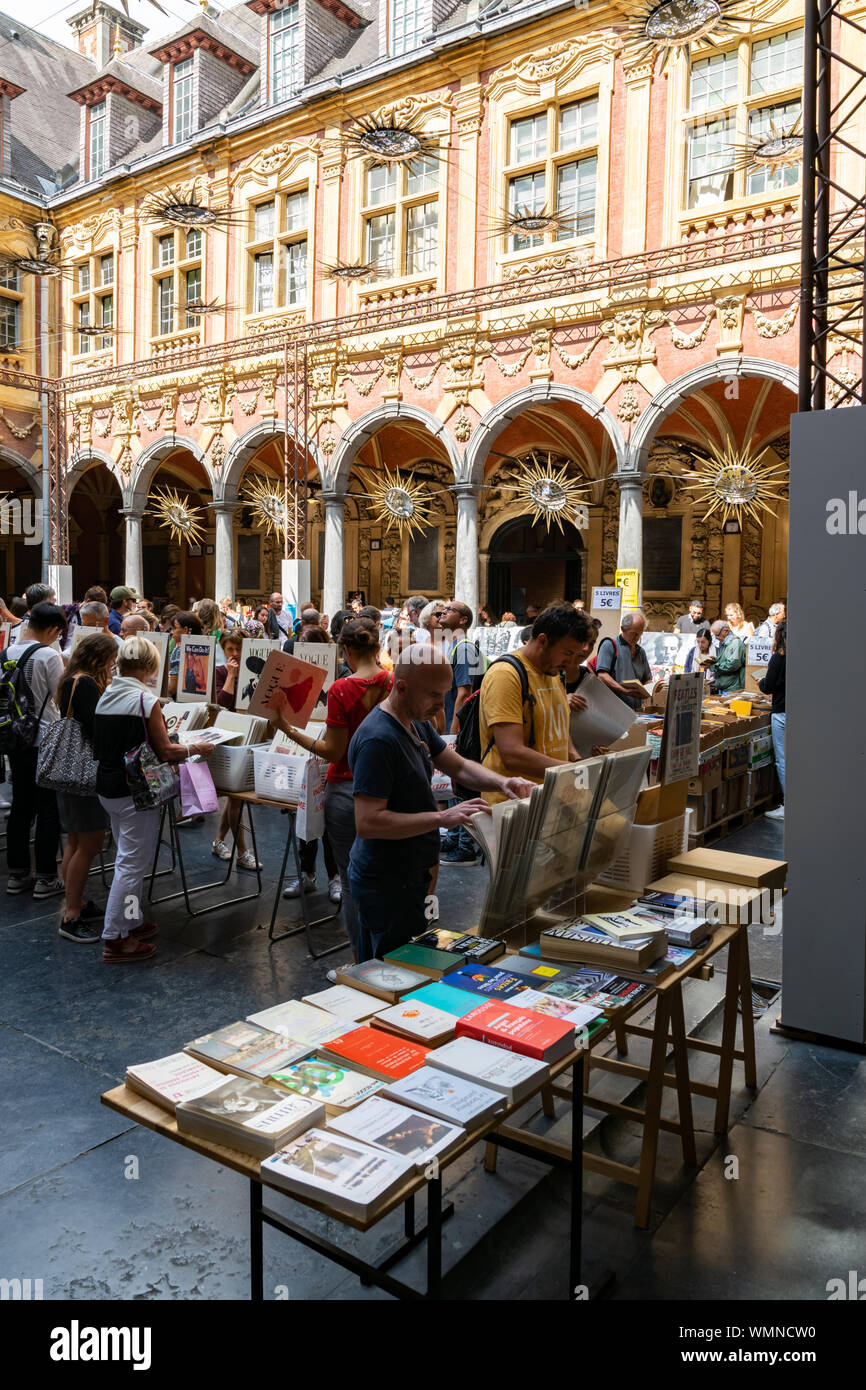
point(29, 470)
point(83, 460)
point(353, 439)
point(149, 460)
point(672, 395)
point(500, 416)
point(244, 447)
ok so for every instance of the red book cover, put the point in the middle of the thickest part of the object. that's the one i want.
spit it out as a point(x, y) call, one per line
point(379, 1052)
point(518, 1030)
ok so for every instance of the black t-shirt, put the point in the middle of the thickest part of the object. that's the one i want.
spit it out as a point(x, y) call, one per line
point(84, 701)
point(392, 764)
point(773, 683)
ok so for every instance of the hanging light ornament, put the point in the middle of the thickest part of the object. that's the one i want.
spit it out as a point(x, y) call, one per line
point(200, 309)
point(776, 148)
point(350, 270)
point(175, 513)
point(181, 209)
point(268, 504)
point(672, 26)
point(46, 261)
point(737, 481)
point(399, 501)
point(389, 143)
point(527, 221)
point(549, 491)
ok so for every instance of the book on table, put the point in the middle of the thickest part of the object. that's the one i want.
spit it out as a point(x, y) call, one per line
point(347, 1003)
point(623, 926)
point(170, 1080)
point(509, 1073)
point(378, 977)
point(680, 931)
point(424, 960)
point(252, 728)
point(412, 1134)
point(419, 1022)
point(338, 1172)
point(466, 944)
point(579, 942)
point(246, 1050)
point(537, 973)
point(518, 1030)
point(487, 981)
point(448, 1097)
point(338, 1088)
point(579, 1015)
point(440, 995)
point(601, 988)
point(376, 1053)
point(248, 1116)
point(302, 1024)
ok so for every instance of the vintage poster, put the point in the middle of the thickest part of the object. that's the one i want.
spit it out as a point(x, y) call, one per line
point(681, 739)
point(195, 675)
point(300, 681)
point(254, 655)
point(322, 654)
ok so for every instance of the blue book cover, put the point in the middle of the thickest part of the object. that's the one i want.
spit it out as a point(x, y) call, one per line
point(486, 982)
point(441, 996)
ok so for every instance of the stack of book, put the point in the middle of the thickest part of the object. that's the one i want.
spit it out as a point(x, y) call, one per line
point(398, 1129)
point(170, 1080)
point(424, 960)
point(245, 1050)
point(248, 1116)
point(342, 1174)
point(375, 1053)
point(518, 1030)
point(380, 978)
point(251, 728)
point(474, 949)
point(182, 718)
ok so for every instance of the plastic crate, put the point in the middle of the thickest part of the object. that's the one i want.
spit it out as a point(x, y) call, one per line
point(278, 776)
point(645, 855)
point(231, 767)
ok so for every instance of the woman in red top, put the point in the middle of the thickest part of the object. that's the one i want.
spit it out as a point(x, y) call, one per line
point(349, 702)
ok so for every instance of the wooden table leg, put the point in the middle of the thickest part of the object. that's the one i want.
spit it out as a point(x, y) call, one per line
point(681, 1062)
point(746, 1009)
point(729, 1032)
point(620, 1035)
point(652, 1112)
point(490, 1152)
point(547, 1107)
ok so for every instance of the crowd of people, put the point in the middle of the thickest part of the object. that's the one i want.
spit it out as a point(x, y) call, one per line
point(413, 693)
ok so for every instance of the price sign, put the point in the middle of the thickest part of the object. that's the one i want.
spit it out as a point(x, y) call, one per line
point(759, 651)
point(629, 582)
point(607, 598)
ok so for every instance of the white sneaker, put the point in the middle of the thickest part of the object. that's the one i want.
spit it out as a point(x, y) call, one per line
point(294, 888)
point(778, 813)
point(247, 861)
point(221, 849)
point(335, 889)
point(48, 888)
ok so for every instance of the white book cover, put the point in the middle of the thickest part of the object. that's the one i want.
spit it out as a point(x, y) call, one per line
point(419, 1020)
point(195, 675)
point(259, 1108)
point(335, 1169)
point(176, 1078)
point(507, 1072)
point(254, 655)
point(213, 736)
point(351, 1004)
point(301, 1022)
point(323, 1081)
point(398, 1130)
point(250, 728)
point(578, 1014)
point(448, 1097)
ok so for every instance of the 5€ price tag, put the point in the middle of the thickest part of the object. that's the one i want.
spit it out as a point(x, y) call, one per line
point(758, 651)
point(607, 598)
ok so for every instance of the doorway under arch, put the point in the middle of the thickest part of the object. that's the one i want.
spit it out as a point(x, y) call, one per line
point(530, 564)
point(96, 532)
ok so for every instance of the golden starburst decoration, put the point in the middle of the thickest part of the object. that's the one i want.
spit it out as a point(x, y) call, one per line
point(182, 209)
point(527, 221)
point(399, 501)
point(672, 26)
point(775, 148)
point(350, 270)
point(737, 481)
point(268, 503)
point(389, 143)
point(177, 515)
point(201, 308)
point(549, 491)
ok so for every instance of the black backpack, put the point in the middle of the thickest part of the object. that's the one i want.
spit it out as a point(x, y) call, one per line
point(19, 722)
point(468, 742)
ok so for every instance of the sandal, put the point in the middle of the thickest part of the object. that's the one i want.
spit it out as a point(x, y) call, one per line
point(144, 931)
point(126, 951)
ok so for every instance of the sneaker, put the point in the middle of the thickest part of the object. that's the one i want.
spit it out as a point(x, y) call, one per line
point(19, 883)
point(220, 849)
point(78, 930)
point(777, 813)
point(48, 887)
point(126, 952)
point(91, 913)
point(335, 889)
point(248, 861)
point(294, 888)
point(460, 856)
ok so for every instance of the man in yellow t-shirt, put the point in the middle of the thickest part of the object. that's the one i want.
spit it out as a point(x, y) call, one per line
point(507, 722)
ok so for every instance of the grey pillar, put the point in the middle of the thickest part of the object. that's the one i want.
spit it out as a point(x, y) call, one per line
point(133, 574)
point(334, 584)
point(224, 550)
point(466, 558)
point(629, 555)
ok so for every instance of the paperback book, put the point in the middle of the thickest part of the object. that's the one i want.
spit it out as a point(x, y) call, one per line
point(473, 948)
point(578, 1015)
point(440, 995)
point(518, 1030)
point(513, 1075)
point(487, 981)
point(300, 1023)
point(346, 1003)
point(376, 1053)
point(170, 1080)
point(337, 1088)
point(246, 1050)
point(424, 960)
point(418, 1021)
point(338, 1172)
point(412, 1134)
point(248, 1116)
point(601, 988)
point(379, 978)
point(450, 1098)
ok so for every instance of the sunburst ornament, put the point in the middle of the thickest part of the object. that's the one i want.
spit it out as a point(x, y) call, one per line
point(550, 492)
point(737, 481)
point(350, 270)
point(201, 309)
point(381, 142)
point(268, 504)
point(526, 221)
point(46, 262)
point(181, 209)
point(398, 501)
point(672, 26)
point(779, 147)
point(175, 513)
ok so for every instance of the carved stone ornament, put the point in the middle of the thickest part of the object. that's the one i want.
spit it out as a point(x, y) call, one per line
point(766, 327)
point(410, 111)
point(89, 231)
point(274, 159)
point(551, 64)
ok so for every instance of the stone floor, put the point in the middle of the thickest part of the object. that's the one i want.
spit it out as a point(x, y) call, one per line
point(101, 1209)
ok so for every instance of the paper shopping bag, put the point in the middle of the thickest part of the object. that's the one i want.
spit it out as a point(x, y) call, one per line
point(311, 802)
point(197, 792)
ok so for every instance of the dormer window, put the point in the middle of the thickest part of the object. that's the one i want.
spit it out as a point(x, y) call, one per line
point(181, 101)
point(285, 52)
point(406, 25)
point(96, 140)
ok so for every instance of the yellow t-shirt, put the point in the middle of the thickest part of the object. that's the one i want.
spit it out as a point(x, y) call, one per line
point(501, 704)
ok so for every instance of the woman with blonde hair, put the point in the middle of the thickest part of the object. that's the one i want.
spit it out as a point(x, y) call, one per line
point(128, 714)
point(737, 619)
point(82, 818)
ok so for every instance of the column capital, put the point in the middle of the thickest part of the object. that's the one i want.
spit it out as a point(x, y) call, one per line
point(133, 513)
point(225, 506)
point(330, 498)
point(467, 489)
point(629, 479)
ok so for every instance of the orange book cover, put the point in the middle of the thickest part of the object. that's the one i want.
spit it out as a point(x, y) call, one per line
point(380, 1052)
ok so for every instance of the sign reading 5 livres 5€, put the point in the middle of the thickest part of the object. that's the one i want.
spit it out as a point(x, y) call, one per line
point(607, 598)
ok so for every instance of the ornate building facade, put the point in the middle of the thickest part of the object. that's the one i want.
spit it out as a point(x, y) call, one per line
point(359, 316)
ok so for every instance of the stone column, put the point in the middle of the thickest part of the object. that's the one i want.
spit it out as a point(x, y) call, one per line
point(466, 559)
point(629, 555)
point(133, 574)
point(334, 583)
point(224, 550)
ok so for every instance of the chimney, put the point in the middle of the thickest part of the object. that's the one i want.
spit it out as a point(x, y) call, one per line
point(101, 31)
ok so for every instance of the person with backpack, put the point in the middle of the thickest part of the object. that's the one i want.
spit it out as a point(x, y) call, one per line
point(624, 659)
point(31, 672)
point(523, 711)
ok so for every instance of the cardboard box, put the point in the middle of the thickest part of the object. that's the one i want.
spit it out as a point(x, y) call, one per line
point(656, 804)
point(736, 794)
point(702, 808)
point(760, 749)
point(736, 760)
point(709, 772)
point(746, 869)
